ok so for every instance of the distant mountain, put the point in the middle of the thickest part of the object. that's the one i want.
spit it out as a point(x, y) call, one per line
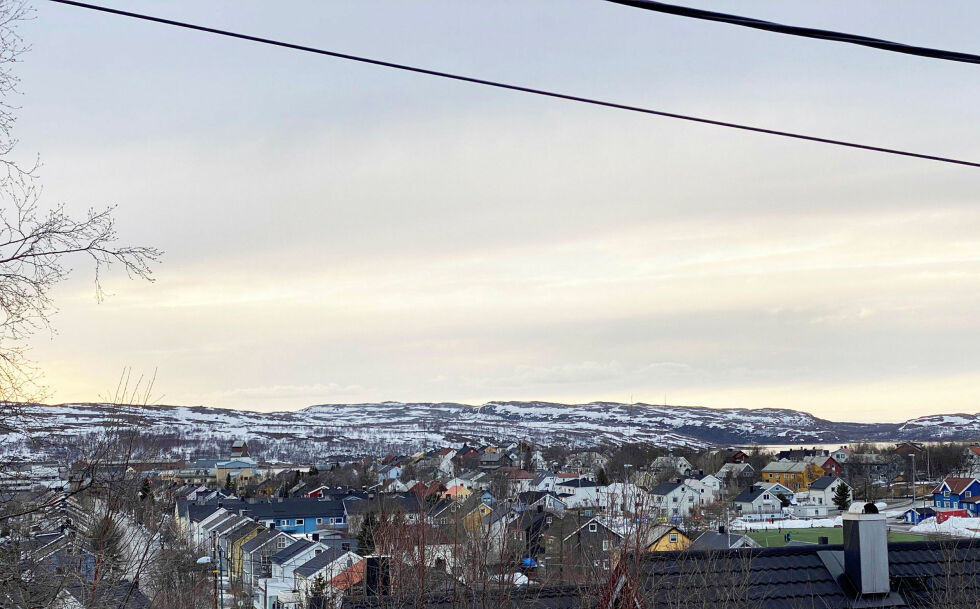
point(345, 429)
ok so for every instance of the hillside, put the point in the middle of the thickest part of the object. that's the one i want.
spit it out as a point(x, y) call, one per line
point(371, 428)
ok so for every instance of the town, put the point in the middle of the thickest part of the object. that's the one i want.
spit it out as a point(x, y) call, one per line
point(458, 524)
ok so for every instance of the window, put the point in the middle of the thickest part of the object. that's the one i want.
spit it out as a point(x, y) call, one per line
point(593, 527)
point(548, 520)
point(319, 520)
point(281, 543)
point(605, 544)
point(672, 538)
point(299, 521)
point(946, 493)
point(967, 494)
point(765, 496)
point(345, 547)
point(605, 564)
point(317, 552)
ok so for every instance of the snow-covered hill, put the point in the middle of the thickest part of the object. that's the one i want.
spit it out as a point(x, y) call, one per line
point(374, 428)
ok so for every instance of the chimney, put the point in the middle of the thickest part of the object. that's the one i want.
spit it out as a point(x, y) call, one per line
point(722, 530)
point(272, 525)
point(823, 541)
point(315, 537)
point(866, 550)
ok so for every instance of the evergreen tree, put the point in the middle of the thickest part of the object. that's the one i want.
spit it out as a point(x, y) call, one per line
point(601, 477)
point(313, 471)
point(842, 497)
point(145, 490)
point(228, 484)
point(365, 537)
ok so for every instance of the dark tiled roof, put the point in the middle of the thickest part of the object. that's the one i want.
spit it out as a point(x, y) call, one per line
point(665, 488)
point(925, 574)
point(291, 550)
point(256, 542)
point(750, 494)
point(320, 561)
point(823, 483)
point(294, 507)
point(530, 597)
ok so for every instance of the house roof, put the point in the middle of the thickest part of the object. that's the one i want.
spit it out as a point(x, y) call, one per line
point(750, 494)
point(578, 483)
point(261, 539)
point(350, 576)
point(975, 450)
point(665, 488)
point(823, 483)
point(785, 467)
point(321, 560)
point(291, 550)
point(955, 485)
point(807, 576)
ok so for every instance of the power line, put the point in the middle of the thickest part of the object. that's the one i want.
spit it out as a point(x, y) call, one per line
point(806, 32)
point(501, 85)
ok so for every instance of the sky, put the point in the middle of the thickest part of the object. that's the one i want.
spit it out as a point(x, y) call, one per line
point(336, 232)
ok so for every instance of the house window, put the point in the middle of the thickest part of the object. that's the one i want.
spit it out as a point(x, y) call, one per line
point(593, 527)
point(672, 538)
point(765, 496)
point(345, 547)
point(967, 494)
point(946, 493)
point(319, 520)
point(317, 552)
point(605, 544)
point(605, 564)
point(299, 521)
point(548, 520)
point(281, 543)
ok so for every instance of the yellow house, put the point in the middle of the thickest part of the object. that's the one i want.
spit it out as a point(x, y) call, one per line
point(235, 549)
point(474, 519)
point(794, 475)
point(664, 538)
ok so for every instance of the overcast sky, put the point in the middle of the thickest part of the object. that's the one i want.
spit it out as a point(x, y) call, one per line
point(337, 232)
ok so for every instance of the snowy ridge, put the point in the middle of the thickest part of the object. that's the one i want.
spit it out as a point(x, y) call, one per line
point(391, 426)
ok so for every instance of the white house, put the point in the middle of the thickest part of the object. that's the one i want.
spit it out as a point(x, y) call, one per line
point(672, 465)
point(823, 490)
point(675, 500)
point(757, 503)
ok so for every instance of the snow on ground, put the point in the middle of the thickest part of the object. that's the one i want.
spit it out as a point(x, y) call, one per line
point(956, 526)
point(790, 523)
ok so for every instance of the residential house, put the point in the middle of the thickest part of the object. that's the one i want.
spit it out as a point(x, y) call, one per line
point(590, 546)
point(671, 466)
point(736, 474)
point(664, 538)
point(918, 514)
point(257, 554)
point(493, 460)
point(588, 461)
point(530, 500)
point(298, 515)
point(582, 493)
point(842, 454)
point(326, 565)
point(674, 500)
point(971, 459)
point(239, 449)
point(957, 494)
point(737, 456)
point(757, 503)
point(795, 475)
point(823, 490)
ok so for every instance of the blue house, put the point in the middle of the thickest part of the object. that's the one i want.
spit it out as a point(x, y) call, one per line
point(957, 494)
point(298, 515)
point(917, 515)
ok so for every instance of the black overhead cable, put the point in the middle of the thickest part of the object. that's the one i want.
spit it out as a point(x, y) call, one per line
point(500, 85)
point(806, 32)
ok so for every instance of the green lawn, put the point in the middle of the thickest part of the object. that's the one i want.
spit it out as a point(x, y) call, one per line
point(775, 538)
